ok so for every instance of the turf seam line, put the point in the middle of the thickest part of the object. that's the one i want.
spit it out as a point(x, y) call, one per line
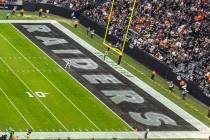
point(16, 108)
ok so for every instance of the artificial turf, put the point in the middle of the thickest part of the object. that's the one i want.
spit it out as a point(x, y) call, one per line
point(67, 105)
point(190, 105)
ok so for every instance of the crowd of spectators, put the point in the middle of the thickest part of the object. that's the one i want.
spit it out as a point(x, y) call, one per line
point(72, 4)
point(176, 32)
point(120, 15)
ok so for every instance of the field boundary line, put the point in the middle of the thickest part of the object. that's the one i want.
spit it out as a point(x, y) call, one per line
point(16, 108)
point(144, 75)
point(33, 92)
point(135, 80)
point(158, 134)
point(69, 100)
point(76, 79)
point(110, 135)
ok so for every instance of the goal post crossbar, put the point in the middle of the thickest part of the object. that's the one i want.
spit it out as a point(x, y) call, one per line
point(109, 46)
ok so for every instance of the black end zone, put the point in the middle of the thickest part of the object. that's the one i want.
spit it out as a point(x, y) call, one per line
point(148, 109)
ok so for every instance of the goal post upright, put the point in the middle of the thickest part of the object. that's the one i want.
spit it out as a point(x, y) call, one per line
point(108, 23)
point(128, 27)
point(116, 50)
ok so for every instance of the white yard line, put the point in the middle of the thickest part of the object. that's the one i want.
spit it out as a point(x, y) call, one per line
point(196, 123)
point(77, 80)
point(16, 108)
point(204, 132)
point(33, 92)
point(68, 99)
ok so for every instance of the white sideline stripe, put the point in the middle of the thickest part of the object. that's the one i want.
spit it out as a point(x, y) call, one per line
point(105, 135)
point(16, 108)
point(68, 99)
point(155, 94)
point(76, 79)
point(33, 92)
point(118, 135)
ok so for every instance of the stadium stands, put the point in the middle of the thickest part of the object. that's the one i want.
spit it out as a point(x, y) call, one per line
point(2, 1)
point(175, 32)
point(72, 4)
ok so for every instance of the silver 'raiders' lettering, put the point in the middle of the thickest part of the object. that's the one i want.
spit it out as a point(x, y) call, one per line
point(102, 79)
point(49, 41)
point(119, 96)
point(152, 119)
point(69, 51)
point(85, 64)
point(40, 28)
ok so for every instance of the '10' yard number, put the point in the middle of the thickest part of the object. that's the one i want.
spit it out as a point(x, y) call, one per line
point(37, 93)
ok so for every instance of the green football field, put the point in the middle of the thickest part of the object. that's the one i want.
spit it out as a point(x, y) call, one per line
point(36, 93)
point(21, 106)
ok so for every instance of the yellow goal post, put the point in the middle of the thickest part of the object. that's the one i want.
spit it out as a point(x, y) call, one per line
point(108, 45)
